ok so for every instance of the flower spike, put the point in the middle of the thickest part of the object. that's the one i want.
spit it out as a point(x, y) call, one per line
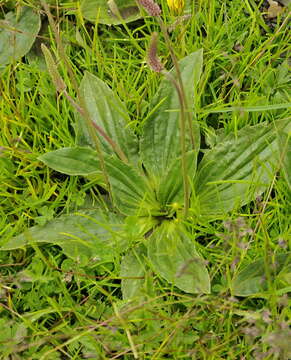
point(152, 59)
point(151, 7)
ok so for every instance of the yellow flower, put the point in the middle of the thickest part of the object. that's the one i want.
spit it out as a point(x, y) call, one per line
point(176, 5)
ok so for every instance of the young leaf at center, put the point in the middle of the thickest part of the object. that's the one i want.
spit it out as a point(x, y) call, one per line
point(130, 190)
point(171, 189)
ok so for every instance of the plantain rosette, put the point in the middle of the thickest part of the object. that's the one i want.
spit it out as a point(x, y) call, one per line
point(143, 223)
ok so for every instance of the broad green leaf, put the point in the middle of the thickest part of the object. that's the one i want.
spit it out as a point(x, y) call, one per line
point(284, 142)
point(171, 188)
point(108, 112)
point(82, 236)
point(132, 267)
point(160, 143)
point(130, 190)
point(17, 34)
point(101, 11)
point(83, 135)
point(174, 258)
point(73, 161)
point(131, 193)
point(253, 279)
point(238, 169)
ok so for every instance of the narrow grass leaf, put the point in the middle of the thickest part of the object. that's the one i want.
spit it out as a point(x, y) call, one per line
point(243, 108)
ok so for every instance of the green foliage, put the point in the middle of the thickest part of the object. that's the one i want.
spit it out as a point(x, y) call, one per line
point(107, 111)
point(174, 257)
point(170, 188)
point(130, 190)
point(284, 143)
point(109, 12)
point(133, 272)
point(53, 305)
point(73, 161)
point(52, 69)
point(133, 190)
point(160, 143)
point(237, 169)
point(17, 332)
point(257, 276)
point(83, 236)
point(231, 174)
point(17, 34)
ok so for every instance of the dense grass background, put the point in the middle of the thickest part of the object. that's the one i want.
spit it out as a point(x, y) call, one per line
point(53, 308)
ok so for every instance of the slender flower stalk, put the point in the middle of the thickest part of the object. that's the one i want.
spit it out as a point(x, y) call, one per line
point(154, 62)
point(184, 115)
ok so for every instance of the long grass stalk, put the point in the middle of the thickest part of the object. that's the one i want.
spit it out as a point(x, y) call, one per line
point(81, 107)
